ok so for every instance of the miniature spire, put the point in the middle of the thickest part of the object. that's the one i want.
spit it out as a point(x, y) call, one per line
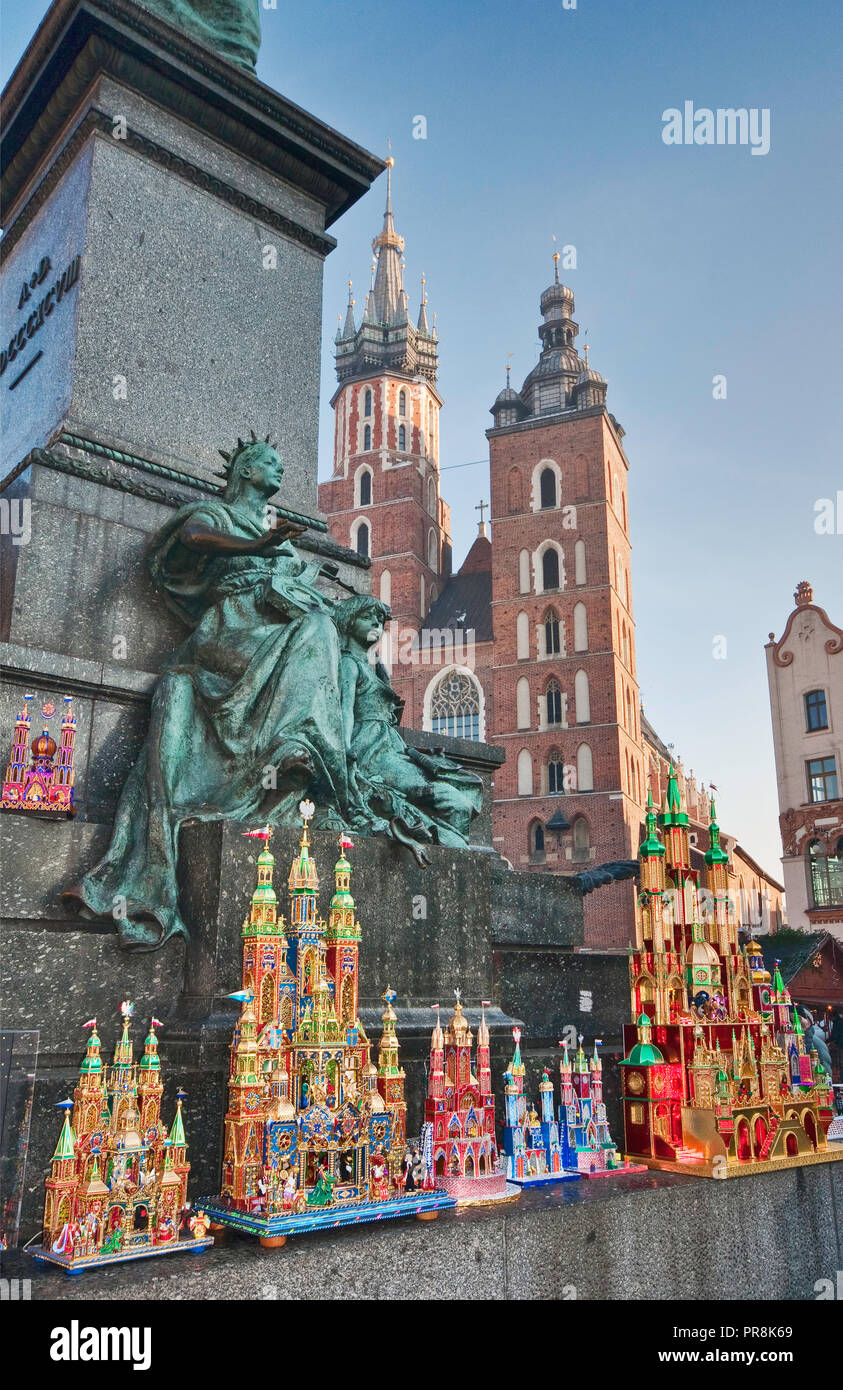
point(66, 1146)
point(483, 1029)
point(651, 844)
point(177, 1132)
point(123, 1050)
point(150, 1059)
point(303, 876)
point(516, 1066)
point(92, 1061)
point(715, 854)
point(263, 915)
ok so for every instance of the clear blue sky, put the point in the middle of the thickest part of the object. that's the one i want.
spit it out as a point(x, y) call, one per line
point(692, 261)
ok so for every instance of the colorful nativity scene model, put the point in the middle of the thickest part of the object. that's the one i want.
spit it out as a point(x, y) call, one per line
point(543, 1149)
point(716, 1077)
point(117, 1188)
point(315, 1132)
point(458, 1136)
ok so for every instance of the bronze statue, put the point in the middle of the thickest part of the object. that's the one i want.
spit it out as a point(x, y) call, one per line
point(272, 697)
point(231, 28)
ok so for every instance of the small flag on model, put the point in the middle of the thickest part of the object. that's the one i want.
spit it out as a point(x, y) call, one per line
point(262, 834)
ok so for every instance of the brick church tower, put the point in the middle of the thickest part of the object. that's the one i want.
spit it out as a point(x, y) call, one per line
point(383, 497)
point(565, 694)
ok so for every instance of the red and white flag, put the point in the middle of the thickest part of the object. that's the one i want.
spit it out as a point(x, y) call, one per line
point(91, 1023)
point(262, 834)
point(155, 1023)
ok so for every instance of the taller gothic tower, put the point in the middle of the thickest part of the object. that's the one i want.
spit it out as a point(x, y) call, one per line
point(383, 497)
point(566, 702)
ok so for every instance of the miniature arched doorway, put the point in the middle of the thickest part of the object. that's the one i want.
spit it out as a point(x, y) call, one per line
point(470, 1166)
point(286, 1012)
point(675, 996)
point(760, 1134)
point(439, 1166)
point(810, 1128)
point(791, 1144)
point(743, 1148)
point(140, 1220)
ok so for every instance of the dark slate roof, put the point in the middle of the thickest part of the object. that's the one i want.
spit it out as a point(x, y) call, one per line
point(465, 602)
point(793, 952)
point(649, 733)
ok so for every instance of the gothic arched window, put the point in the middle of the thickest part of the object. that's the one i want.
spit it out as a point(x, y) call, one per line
point(432, 550)
point(367, 403)
point(550, 569)
point(367, 439)
point(402, 437)
point(551, 633)
point(455, 706)
point(547, 488)
point(580, 838)
point(402, 402)
point(365, 488)
point(555, 773)
point(553, 699)
point(431, 496)
point(537, 837)
point(362, 539)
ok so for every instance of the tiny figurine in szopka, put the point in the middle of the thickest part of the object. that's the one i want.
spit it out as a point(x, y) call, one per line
point(118, 1181)
point(717, 1079)
point(530, 1141)
point(315, 1131)
point(587, 1146)
point(460, 1113)
point(41, 784)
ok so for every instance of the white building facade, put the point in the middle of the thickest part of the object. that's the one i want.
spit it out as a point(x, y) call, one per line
point(805, 676)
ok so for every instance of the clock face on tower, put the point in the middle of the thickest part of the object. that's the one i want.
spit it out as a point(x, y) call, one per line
point(635, 1083)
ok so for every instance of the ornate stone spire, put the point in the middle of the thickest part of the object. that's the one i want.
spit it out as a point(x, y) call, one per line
point(422, 323)
point(388, 248)
point(386, 340)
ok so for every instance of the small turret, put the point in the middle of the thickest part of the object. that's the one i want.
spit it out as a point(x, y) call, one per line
point(66, 1145)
